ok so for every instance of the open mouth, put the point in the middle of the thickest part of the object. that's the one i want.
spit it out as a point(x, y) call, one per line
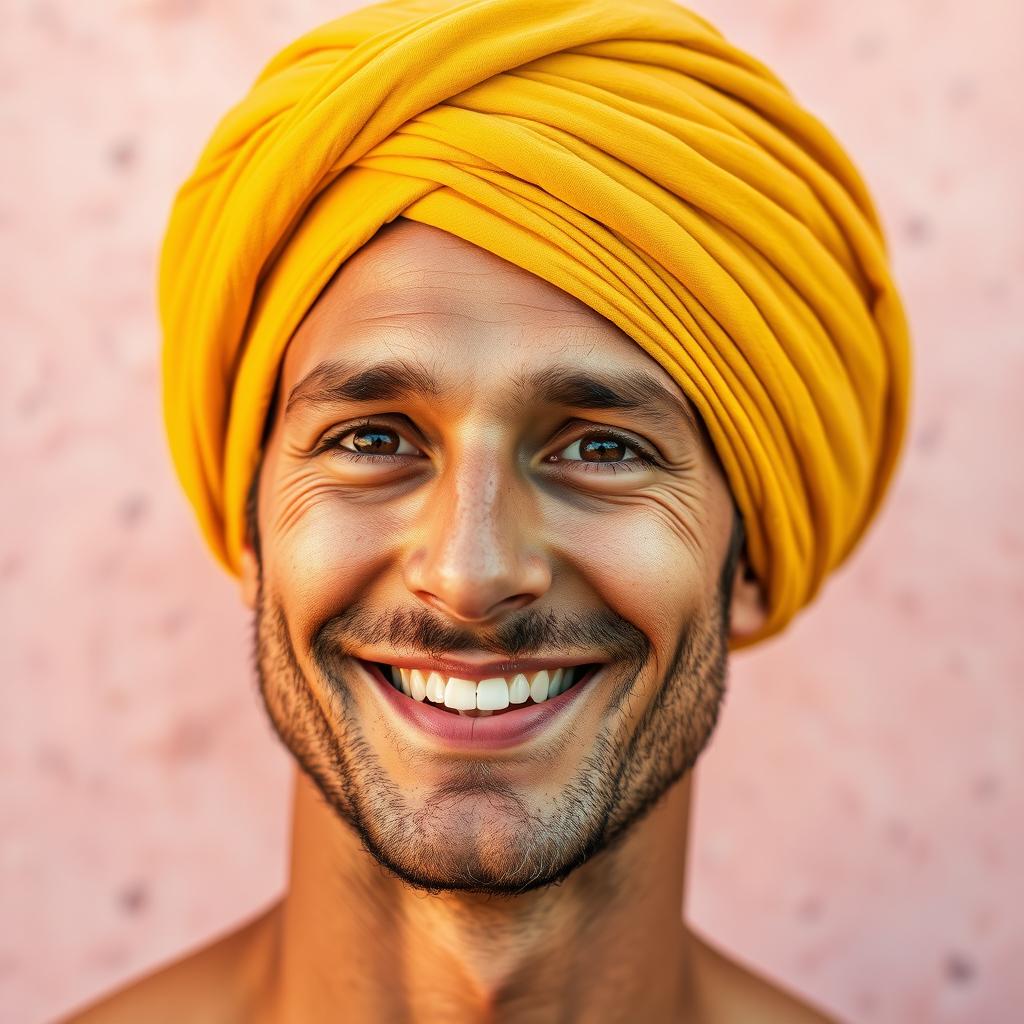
point(485, 697)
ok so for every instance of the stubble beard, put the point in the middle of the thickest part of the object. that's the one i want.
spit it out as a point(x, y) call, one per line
point(476, 833)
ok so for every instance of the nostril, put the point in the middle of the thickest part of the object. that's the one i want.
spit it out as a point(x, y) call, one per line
point(471, 614)
point(513, 604)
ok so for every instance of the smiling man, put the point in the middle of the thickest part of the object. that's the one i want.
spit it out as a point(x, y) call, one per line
point(495, 559)
point(521, 359)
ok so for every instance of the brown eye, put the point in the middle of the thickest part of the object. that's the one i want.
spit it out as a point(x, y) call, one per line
point(372, 440)
point(598, 448)
point(379, 442)
point(603, 449)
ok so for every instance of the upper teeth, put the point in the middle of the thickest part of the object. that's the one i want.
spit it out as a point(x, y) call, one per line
point(492, 694)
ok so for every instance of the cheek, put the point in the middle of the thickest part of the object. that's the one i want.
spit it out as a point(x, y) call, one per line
point(324, 550)
point(650, 557)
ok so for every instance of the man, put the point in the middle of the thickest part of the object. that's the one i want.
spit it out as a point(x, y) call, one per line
point(521, 359)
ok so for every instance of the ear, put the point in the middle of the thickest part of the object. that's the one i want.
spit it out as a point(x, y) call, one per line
point(749, 609)
point(249, 580)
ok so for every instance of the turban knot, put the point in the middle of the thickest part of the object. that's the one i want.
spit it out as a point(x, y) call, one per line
point(622, 151)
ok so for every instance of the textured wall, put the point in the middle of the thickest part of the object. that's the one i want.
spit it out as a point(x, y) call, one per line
point(860, 816)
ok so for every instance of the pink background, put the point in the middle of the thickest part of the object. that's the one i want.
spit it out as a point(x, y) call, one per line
point(859, 831)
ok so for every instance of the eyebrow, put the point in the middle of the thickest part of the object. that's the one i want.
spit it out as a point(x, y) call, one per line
point(630, 390)
point(336, 381)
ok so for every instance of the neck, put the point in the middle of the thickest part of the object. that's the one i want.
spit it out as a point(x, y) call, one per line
point(607, 943)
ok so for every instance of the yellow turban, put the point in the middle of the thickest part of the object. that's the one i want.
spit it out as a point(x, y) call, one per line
point(624, 152)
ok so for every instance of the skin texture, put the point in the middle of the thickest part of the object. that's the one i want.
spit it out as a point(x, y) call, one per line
point(533, 884)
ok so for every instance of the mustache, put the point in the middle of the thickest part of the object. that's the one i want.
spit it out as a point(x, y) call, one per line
point(526, 632)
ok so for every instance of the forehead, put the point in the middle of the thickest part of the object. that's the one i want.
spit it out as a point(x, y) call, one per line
point(417, 294)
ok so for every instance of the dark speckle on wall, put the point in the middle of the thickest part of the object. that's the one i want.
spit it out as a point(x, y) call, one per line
point(929, 436)
point(868, 45)
point(189, 738)
point(961, 91)
point(918, 229)
point(54, 762)
point(122, 153)
point(133, 510)
point(809, 909)
point(985, 787)
point(133, 898)
point(958, 969)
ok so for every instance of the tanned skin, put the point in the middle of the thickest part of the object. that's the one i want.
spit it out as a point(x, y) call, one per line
point(533, 884)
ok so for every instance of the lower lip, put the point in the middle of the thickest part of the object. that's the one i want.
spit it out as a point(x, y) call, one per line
point(496, 732)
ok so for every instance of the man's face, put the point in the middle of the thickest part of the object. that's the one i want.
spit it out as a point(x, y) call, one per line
point(472, 472)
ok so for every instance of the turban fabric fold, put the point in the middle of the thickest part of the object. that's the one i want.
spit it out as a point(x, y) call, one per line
point(621, 150)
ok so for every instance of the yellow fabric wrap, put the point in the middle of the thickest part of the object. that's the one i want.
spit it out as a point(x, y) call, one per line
point(624, 152)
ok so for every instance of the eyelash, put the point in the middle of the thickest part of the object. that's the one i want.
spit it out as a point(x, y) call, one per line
point(333, 443)
point(643, 459)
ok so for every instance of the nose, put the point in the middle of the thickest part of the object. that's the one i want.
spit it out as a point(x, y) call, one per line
point(478, 555)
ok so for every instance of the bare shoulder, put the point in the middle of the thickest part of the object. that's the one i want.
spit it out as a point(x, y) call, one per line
point(731, 991)
point(220, 982)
